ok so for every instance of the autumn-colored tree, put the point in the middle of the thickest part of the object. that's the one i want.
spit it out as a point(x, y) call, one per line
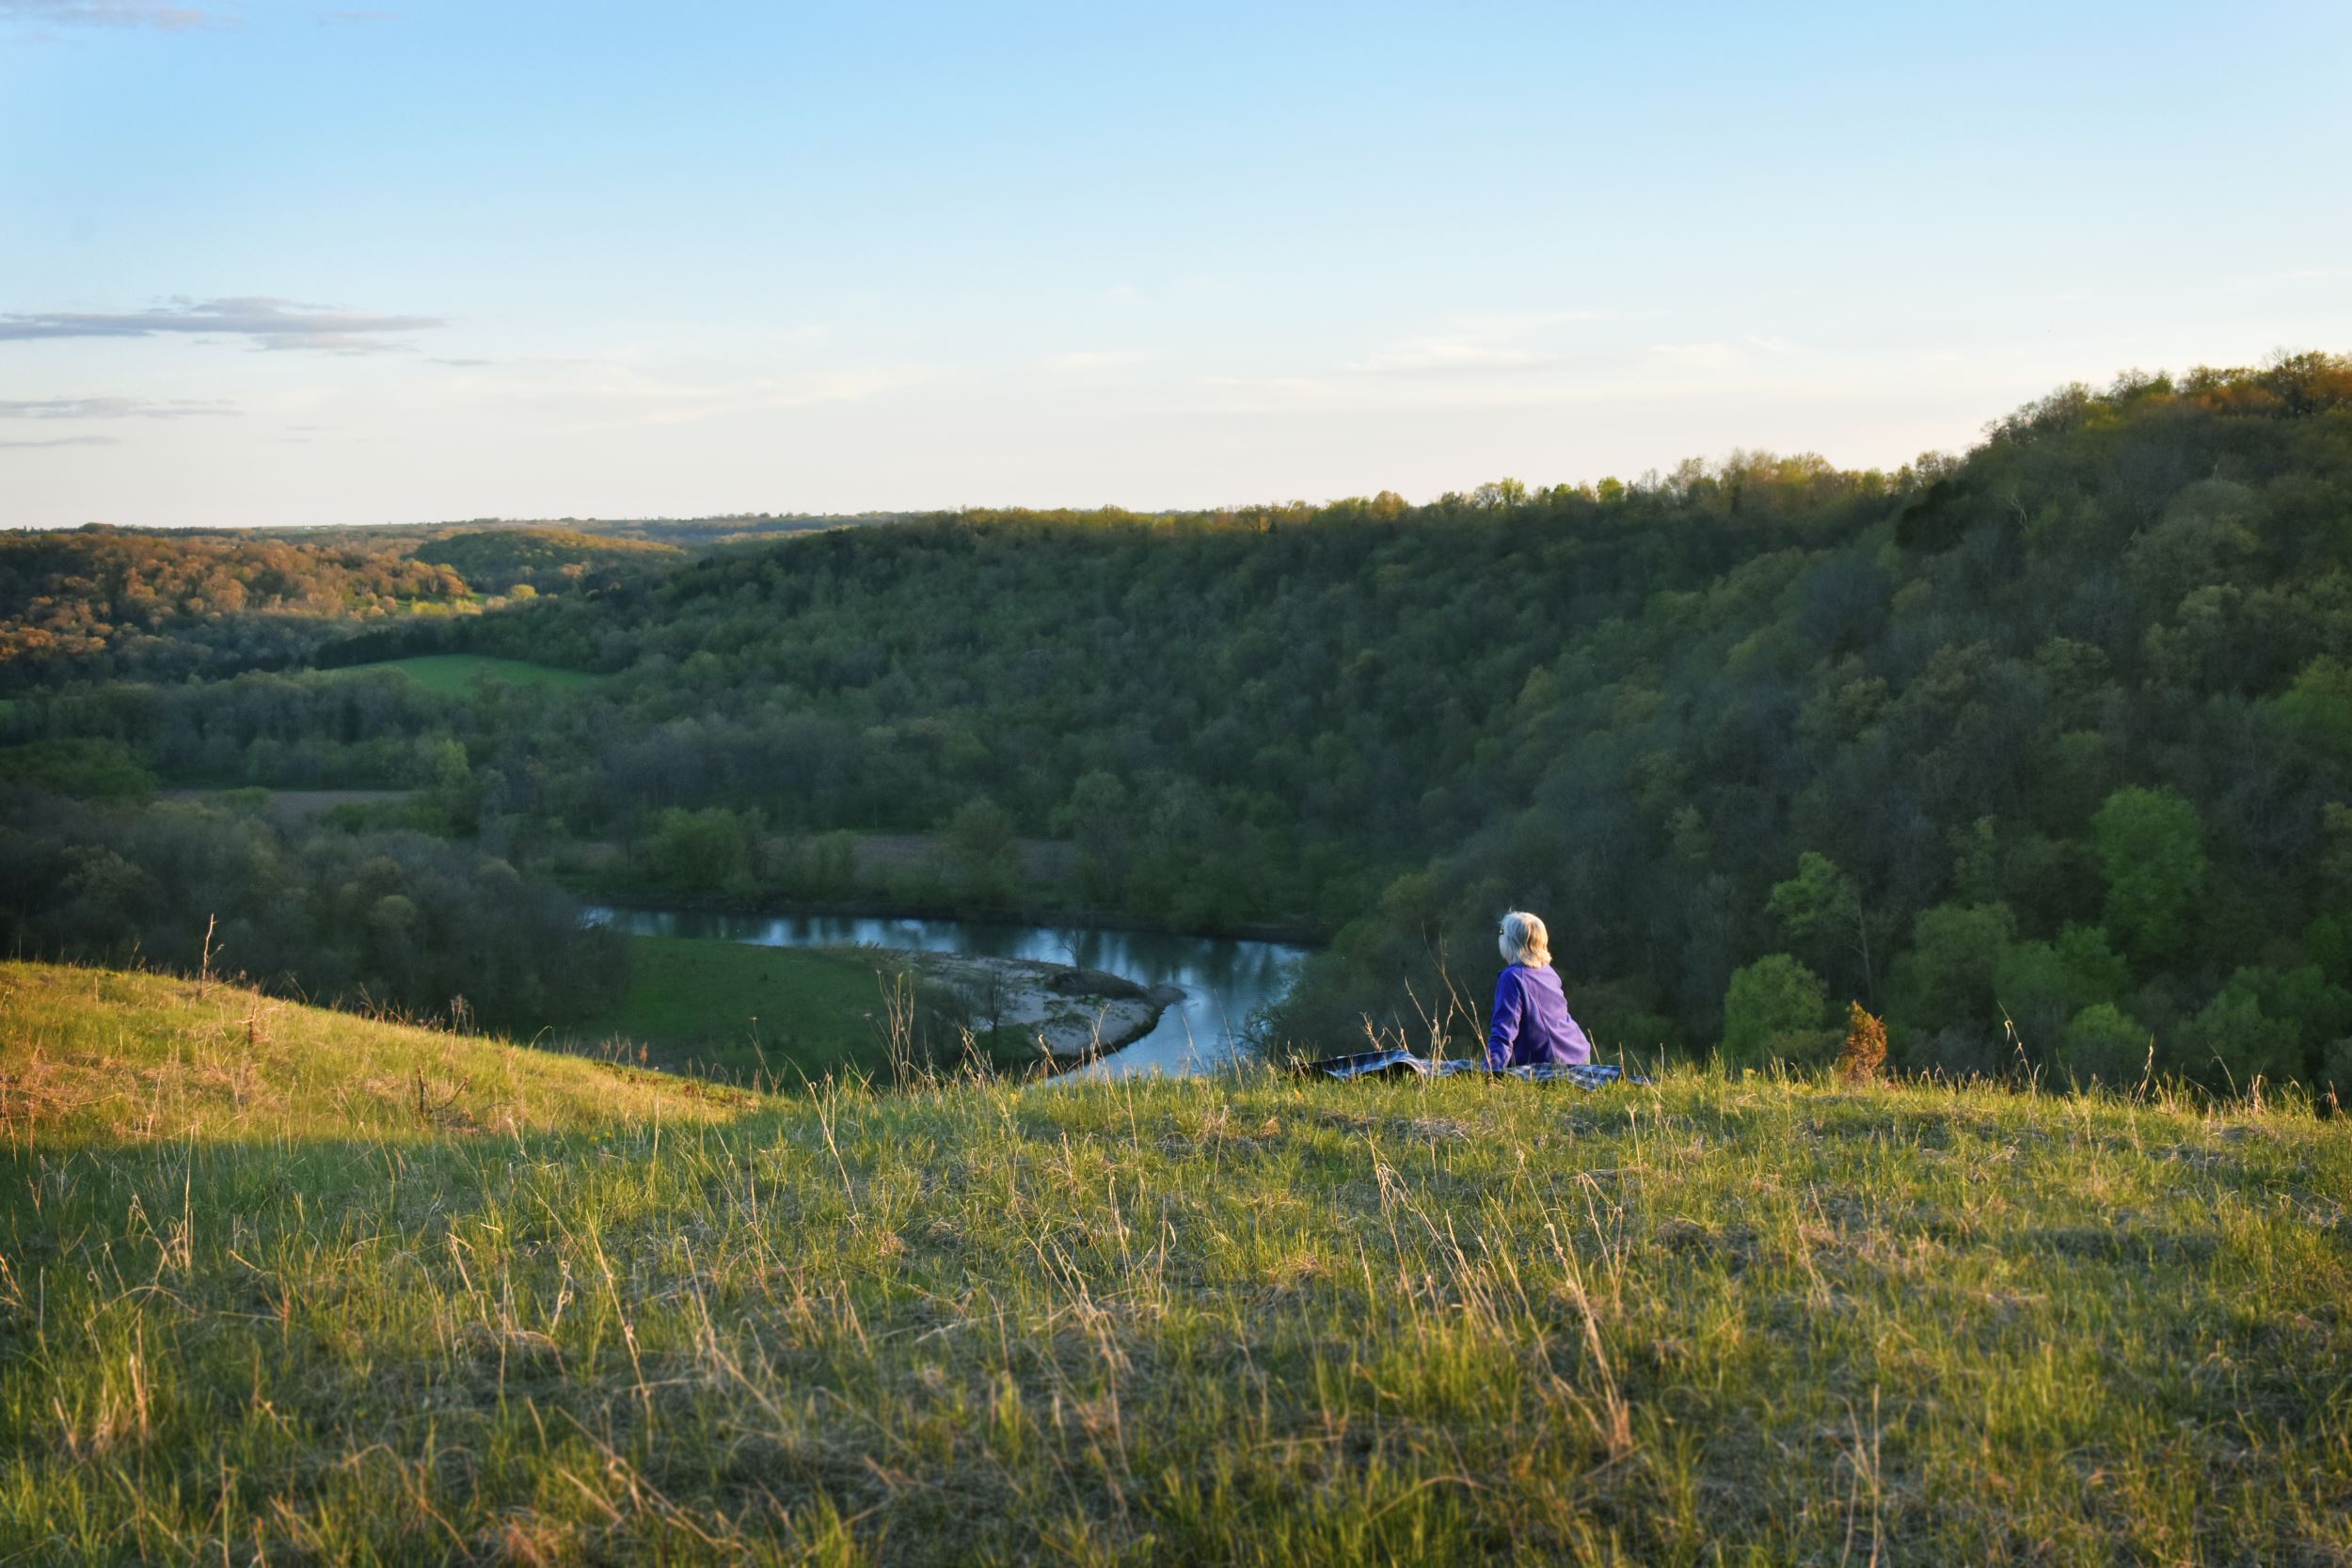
point(1864, 1057)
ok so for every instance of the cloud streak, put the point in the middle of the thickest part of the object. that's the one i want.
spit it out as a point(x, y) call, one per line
point(109, 408)
point(112, 13)
point(1478, 346)
point(276, 325)
point(1096, 358)
point(61, 442)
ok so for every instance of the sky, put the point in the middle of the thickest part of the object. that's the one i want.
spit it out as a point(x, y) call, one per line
point(275, 263)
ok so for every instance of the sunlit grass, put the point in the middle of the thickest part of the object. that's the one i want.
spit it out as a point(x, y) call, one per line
point(259, 1302)
point(455, 674)
point(742, 1012)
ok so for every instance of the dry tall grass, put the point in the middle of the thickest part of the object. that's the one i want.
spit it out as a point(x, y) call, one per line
point(257, 1306)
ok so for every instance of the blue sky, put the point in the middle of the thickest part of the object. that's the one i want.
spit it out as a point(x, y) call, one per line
point(275, 263)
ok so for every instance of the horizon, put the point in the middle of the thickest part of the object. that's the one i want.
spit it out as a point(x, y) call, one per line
point(1647, 479)
point(285, 266)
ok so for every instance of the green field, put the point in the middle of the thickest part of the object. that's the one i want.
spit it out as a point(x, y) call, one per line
point(455, 674)
point(285, 1286)
point(732, 1010)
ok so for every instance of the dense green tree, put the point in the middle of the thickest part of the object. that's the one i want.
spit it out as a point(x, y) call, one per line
point(1777, 1011)
point(2046, 985)
point(2151, 847)
point(396, 921)
point(1820, 906)
point(702, 853)
point(102, 769)
point(2104, 1045)
point(1948, 974)
point(1096, 820)
point(2232, 1037)
point(982, 858)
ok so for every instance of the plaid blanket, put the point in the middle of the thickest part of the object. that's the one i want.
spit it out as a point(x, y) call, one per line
point(1399, 1063)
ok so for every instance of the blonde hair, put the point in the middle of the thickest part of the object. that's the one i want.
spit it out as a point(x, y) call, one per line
point(1524, 941)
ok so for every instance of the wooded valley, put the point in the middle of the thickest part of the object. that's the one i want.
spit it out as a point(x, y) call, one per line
point(2041, 751)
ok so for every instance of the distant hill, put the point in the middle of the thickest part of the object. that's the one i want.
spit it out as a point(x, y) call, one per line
point(684, 532)
point(546, 560)
point(102, 601)
point(338, 1291)
point(95, 601)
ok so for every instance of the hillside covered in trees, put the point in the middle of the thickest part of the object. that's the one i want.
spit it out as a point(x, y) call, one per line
point(99, 601)
point(104, 601)
point(2041, 752)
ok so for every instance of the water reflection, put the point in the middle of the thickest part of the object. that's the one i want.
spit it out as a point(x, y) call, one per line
point(1224, 982)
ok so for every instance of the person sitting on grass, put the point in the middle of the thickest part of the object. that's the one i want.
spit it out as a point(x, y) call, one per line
point(1531, 1023)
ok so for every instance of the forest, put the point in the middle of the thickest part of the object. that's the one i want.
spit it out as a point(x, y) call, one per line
point(2040, 751)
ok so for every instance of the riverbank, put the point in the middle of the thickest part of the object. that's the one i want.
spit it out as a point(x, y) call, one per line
point(739, 1012)
point(1217, 992)
point(595, 886)
point(1071, 1014)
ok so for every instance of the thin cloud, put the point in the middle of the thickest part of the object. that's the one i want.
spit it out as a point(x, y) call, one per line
point(1702, 356)
point(1095, 359)
point(63, 441)
point(1477, 345)
point(109, 408)
point(614, 393)
point(676, 405)
point(112, 13)
point(265, 322)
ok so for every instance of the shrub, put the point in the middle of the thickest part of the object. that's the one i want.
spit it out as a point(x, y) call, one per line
point(1776, 1010)
point(2232, 1041)
point(1865, 1053)
point(2104, 1044)
point(2335, 1073)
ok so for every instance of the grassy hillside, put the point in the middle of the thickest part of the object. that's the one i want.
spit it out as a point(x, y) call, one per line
point(101, 1060)
point(258, 1305)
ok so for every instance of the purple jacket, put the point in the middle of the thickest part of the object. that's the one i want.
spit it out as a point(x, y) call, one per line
point(1531, 1023)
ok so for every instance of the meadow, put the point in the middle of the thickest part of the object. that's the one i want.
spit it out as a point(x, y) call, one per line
point(458, 674)
point(284, 1285)
point(747, 1014)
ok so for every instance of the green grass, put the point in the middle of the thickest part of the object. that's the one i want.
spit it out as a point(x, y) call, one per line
point(735, 1010)
point(454, 674)
point(259, 1307)
point(772, 1015)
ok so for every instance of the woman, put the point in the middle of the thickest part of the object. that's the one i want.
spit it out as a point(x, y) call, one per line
point(1530, 1016)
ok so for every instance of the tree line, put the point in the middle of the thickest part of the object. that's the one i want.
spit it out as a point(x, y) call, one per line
point(401, 923)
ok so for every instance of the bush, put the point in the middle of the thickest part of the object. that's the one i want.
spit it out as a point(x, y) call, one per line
point(1777, 1011)
point(982, 861)
point(2105, 1045)
point(2335, 1073)
point(1864, 1056)
point(2044, 985)
point(2234, 1042)
point(102, 769)
point(701, 852)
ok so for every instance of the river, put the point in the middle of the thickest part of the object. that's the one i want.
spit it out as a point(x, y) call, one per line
point(1225, 982)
